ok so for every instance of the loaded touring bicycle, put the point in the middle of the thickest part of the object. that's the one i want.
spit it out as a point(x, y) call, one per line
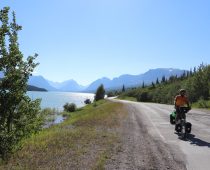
point(182, 127)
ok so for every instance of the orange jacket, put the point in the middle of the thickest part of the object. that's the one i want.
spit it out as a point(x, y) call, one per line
point(181, 100)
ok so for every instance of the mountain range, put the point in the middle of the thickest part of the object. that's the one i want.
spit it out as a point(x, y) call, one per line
point(127, 80)
point(69, 85)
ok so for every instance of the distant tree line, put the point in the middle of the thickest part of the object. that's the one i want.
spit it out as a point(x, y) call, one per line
point(34, 88)
point(196, 82)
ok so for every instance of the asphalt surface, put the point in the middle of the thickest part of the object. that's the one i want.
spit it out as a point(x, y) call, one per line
point(167, 151)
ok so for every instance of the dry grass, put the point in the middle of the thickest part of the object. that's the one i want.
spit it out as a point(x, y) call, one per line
point(84, 141)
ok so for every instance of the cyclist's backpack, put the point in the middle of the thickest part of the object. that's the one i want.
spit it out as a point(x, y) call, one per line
point(173, 117)
point(188, 127)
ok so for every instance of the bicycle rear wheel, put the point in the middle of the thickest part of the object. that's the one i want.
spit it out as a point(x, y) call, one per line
point(183, 131)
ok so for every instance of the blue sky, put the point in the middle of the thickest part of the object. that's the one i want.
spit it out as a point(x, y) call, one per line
point(88, 39)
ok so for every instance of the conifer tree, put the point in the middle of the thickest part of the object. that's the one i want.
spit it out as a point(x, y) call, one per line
point(157, 81)
point(100, 93)
point(163, 79)
point(123, 88)
point(143, 86)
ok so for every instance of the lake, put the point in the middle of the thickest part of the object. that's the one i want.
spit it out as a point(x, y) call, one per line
point(58, 99)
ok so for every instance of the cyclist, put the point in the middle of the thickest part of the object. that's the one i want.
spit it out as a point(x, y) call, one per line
point(180, 101)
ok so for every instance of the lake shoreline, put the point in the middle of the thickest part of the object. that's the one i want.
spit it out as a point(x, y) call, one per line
point(57, 100)
point(52, 103)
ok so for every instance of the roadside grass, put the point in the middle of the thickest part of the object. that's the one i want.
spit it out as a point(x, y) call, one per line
point(127, 98)
point(85, 140)
point(205, 104)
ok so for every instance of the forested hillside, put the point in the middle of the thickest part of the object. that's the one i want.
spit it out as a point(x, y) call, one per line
point(34, 88)
point(196, 82)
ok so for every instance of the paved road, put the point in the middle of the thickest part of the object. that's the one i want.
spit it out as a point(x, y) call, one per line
point(148, 124)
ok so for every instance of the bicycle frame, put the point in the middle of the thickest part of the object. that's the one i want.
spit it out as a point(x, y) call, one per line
point(183, 111)
point(183, 127)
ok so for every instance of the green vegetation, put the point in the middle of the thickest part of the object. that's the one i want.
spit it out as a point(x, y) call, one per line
point(49, 115)
point(197, 84)
point(85, 139)
point(70, 107)
point(34, 88)
point(202, 104)
point(87, 101)
point(112, 93)
point(100, 93)
point(20, 117)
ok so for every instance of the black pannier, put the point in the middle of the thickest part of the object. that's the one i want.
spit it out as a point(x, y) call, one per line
point(188, 127)
point(178, 127)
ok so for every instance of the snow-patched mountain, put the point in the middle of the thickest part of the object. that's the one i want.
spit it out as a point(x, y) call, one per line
point(135, 80)
point(116, 83)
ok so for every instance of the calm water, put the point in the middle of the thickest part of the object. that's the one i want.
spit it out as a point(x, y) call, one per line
point(58, 99)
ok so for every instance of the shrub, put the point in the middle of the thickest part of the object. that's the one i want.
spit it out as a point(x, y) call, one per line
point(143, 97)
point(49, 111)
point(69, 107)
point(203, 103)
point(87, 101)
point(110, 94)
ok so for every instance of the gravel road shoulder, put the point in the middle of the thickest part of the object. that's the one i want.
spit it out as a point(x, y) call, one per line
point(141, 147)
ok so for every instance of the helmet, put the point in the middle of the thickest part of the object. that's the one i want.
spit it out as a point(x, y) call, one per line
point(182, 91)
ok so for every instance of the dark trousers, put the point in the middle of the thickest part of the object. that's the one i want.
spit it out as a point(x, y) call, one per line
point(179, 114)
